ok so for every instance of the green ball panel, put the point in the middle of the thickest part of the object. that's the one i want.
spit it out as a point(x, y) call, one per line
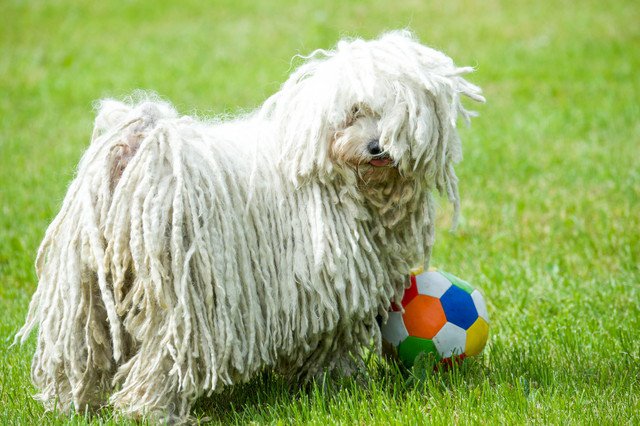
point(458, 282)
point(410, 347)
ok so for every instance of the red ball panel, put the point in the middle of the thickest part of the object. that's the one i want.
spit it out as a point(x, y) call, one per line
point(410, 292)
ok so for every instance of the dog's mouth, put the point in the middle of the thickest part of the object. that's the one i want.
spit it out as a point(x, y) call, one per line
point(381, 161)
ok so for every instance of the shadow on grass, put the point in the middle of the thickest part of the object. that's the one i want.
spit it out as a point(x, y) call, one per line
point(269, 397)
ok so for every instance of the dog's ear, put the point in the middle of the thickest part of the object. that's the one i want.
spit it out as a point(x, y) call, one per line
point(305, 119)
point(424, 99)
point(423, 106)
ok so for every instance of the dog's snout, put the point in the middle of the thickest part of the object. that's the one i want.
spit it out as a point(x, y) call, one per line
point(374, 147)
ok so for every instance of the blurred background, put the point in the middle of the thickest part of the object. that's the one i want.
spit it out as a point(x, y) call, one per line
point(550, 183)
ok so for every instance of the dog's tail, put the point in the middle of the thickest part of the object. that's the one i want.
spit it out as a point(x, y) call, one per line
point(84, 265)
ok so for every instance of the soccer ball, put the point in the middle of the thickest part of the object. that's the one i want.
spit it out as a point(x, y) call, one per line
point(443, 315)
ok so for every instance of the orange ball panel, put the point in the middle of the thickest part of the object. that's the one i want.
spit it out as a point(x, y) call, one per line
point(424, 317)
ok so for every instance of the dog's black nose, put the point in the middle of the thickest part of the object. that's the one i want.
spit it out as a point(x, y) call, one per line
point(374, 147)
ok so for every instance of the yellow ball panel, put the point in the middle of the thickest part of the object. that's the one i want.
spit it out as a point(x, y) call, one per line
point(417, 270)
point(477, 336)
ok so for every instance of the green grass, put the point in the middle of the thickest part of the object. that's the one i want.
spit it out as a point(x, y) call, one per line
point(550, 185)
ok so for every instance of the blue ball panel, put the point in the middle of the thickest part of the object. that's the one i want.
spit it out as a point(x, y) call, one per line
point(459, 307)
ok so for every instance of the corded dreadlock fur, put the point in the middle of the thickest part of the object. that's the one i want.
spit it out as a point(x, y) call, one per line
point(190, 255)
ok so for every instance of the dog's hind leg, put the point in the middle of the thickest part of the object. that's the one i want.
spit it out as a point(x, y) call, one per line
point(155, 228)
point(79, 333)
point(80, 339)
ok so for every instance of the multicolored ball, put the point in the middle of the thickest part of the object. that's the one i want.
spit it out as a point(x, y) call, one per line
point(443, 315)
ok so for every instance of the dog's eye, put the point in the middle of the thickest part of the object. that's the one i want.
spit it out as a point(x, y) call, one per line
point(356, 112)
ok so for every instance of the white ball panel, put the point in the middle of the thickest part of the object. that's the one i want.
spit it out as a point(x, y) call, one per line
point(394, 330)
point(481, 306)
point(450, 340)
point(432, 284)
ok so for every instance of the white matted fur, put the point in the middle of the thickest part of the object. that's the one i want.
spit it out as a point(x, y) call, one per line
point(189, 255)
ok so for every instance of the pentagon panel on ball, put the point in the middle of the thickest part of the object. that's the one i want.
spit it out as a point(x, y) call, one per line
point(439, 314)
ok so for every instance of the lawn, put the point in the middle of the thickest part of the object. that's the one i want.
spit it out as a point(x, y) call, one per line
point(550, 186)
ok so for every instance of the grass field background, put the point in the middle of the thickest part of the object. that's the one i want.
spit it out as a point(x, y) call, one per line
point(550, 185)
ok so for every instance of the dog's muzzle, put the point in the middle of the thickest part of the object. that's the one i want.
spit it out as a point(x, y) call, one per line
point(379, 159)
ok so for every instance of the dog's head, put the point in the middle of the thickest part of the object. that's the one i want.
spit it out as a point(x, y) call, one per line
point(377, 110)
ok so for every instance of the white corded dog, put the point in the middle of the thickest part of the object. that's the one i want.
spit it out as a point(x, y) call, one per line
point(191, 255)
